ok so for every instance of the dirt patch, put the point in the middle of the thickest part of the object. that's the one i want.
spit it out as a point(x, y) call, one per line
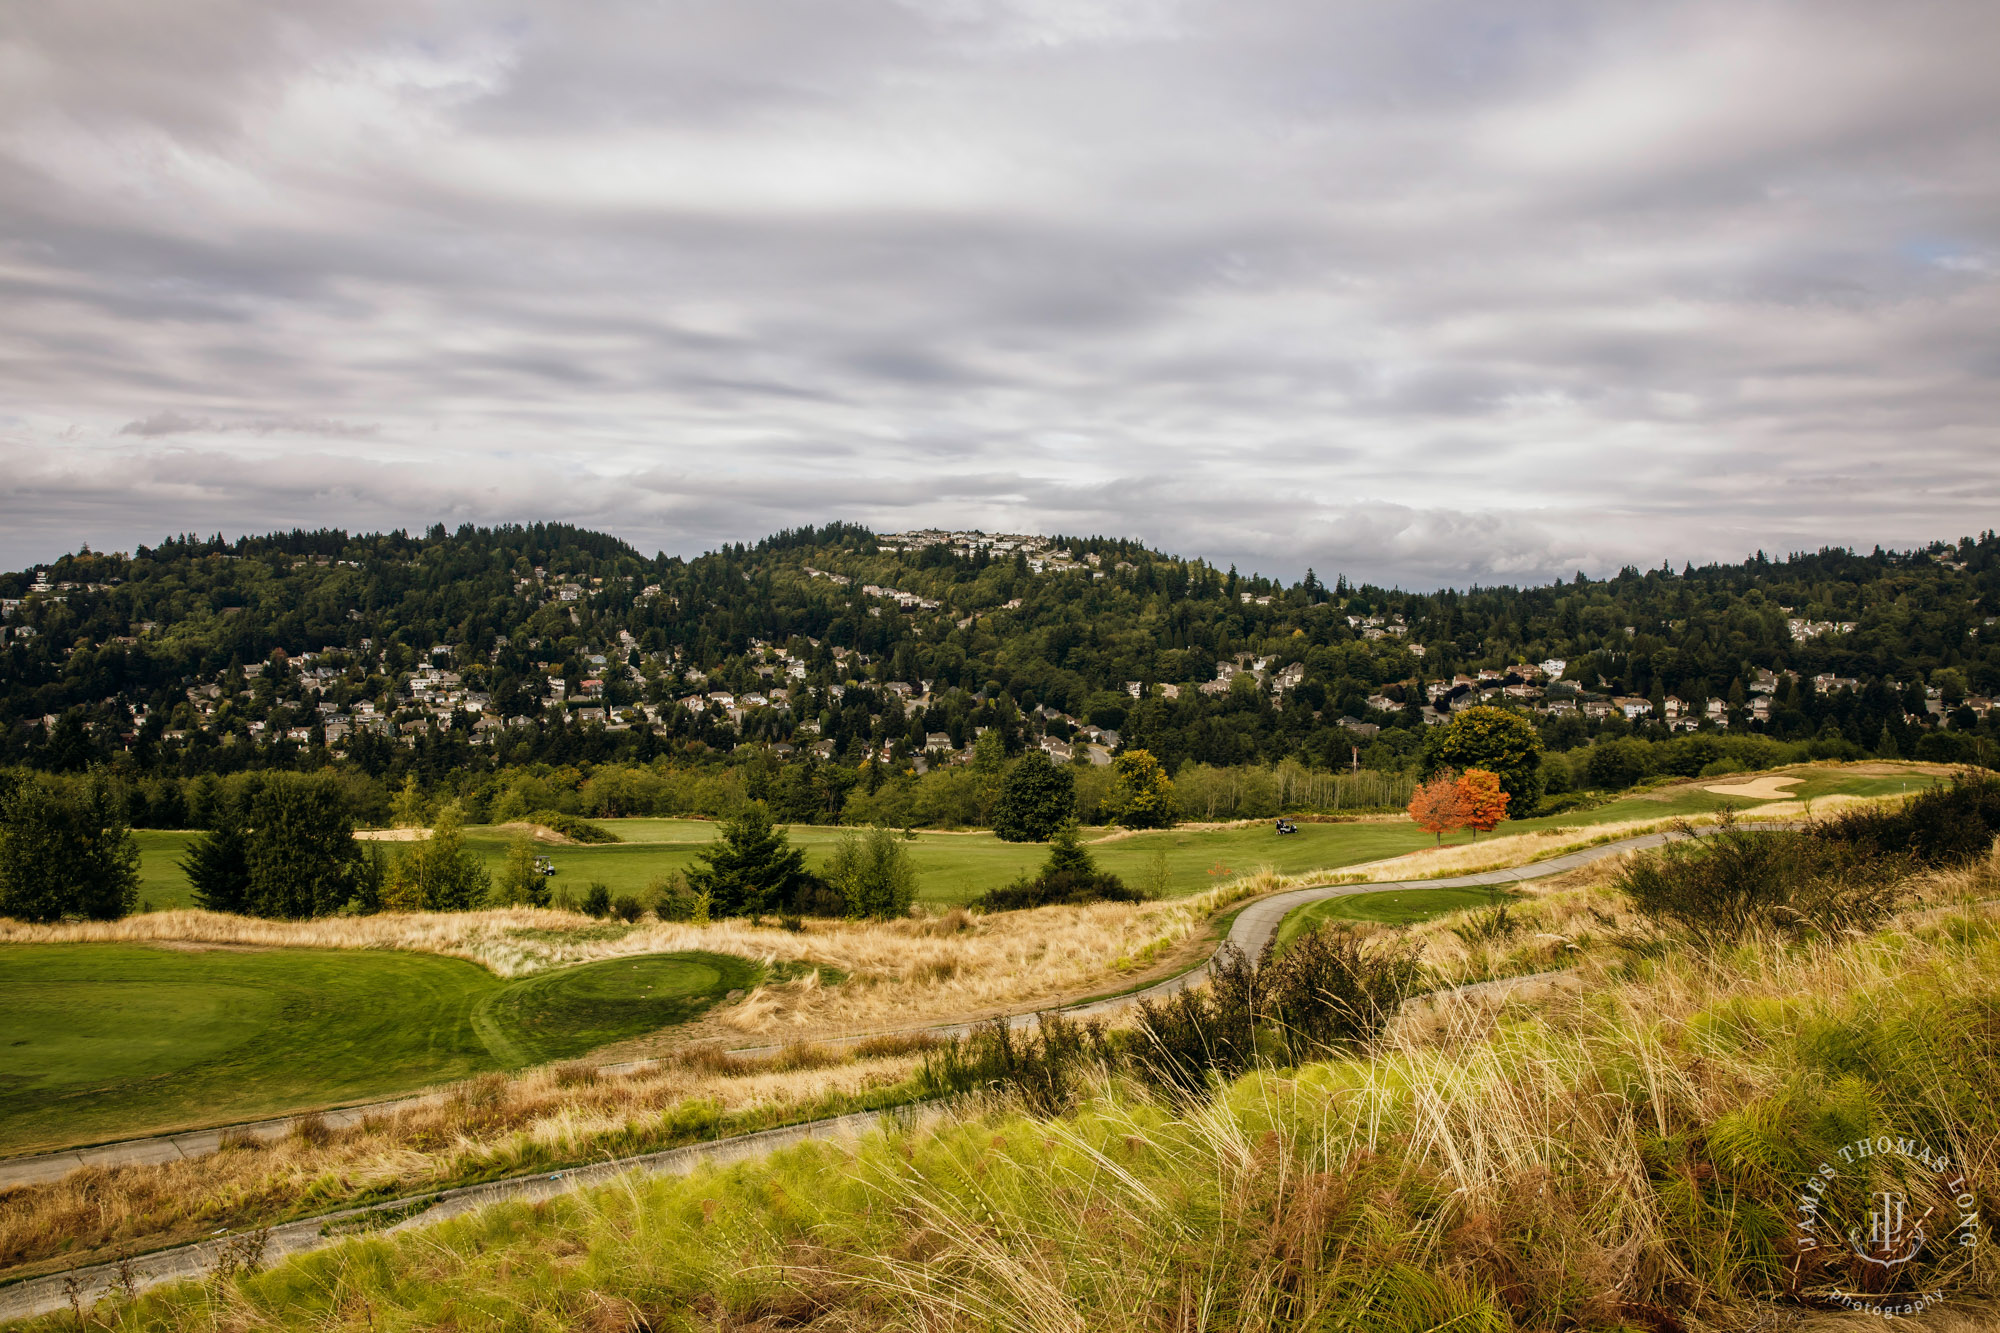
point(392, 834)
point(1757, 789)
point(540, 833)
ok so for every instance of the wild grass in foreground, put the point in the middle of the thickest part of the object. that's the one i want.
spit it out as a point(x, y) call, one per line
point(485, 1129)
point(1625, 1157)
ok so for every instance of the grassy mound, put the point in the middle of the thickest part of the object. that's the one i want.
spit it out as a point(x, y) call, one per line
point(574, 827)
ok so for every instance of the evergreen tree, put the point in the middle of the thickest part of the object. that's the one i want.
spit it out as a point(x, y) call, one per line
point(439, 874)
point(217, 864)
point(299, 848)
point(65, 851)
point(751, 869)
point(1036, 798)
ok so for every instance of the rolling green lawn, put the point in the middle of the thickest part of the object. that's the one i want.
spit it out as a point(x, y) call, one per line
point(954, 868)
point(104, 1041)
point(1396, 907)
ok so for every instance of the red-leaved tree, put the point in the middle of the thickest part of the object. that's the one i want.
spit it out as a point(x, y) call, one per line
point(1437, 805)
point(1482, 802)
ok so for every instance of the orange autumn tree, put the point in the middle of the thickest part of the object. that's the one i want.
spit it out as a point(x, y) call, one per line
point(1438, 806)
point(1482, 800)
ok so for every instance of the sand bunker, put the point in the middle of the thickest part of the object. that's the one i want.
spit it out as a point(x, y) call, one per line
point(1757, 789)
point(392, 834)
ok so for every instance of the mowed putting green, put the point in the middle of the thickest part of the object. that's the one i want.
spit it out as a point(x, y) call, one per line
point(107, 1041)
point(1393, 907)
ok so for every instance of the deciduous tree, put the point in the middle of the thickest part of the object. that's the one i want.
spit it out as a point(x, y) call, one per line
point(1437, 805)
point(1036, 798)
point(1142, 795)
point(1482, 801)
point(1502, 742)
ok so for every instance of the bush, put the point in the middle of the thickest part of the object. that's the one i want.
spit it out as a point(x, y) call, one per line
point(1790, 883)
point(597, 899)
point(627, 908)
point(872, 874)
point(1068, 876)
point(1329, 987)
point(674, 899)
point(573, 827)
point(1195, 1034)
point(1042, 1066)
point(1939, 826)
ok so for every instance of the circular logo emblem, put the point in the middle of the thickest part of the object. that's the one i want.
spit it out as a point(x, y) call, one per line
point(1882, 1226)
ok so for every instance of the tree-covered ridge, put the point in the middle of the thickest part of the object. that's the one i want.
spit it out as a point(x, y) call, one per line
point(484, 647)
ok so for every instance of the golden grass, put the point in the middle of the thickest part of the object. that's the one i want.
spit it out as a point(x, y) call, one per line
point(487, 1127)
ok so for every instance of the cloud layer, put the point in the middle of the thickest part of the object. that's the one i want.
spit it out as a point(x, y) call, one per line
point(1431, 293)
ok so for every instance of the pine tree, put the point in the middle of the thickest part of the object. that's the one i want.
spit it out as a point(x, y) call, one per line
point(65, 851)
point(752, 868)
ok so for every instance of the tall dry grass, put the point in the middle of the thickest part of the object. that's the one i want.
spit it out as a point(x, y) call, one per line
point(486, 1128)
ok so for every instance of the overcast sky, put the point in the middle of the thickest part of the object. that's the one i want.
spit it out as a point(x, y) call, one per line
point(1423, 292)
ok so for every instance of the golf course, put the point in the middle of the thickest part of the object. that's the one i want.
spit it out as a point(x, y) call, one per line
point(954, 867)
point(111, 1039)
point(104, 1041)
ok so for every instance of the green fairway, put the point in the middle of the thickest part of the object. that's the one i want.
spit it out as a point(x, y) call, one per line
point(161, 883)
point(104, 1041)
point(1395, 907)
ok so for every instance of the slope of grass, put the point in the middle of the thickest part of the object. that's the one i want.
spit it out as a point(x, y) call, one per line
point(1629, 1157)
point(105, 1041)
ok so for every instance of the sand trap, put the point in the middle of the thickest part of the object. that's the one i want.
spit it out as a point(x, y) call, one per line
point(392, 834)
point(1757, 789)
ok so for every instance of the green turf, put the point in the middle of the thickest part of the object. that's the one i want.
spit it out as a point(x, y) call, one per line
point(161, 883)
point(1395, 907)
point(102, 1041)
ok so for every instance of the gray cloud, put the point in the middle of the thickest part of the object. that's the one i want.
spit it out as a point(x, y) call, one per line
point(1431, 292)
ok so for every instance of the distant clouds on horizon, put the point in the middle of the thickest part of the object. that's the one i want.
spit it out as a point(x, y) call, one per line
point(1433, 293)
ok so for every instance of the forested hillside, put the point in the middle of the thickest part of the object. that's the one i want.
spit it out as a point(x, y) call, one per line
point(854, 657)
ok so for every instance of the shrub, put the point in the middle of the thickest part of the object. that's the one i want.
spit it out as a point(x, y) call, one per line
point(1791, 883)
point(1043, 1066)
point(674, 899)
point(573, 827)
point(597, 899)
point(1068, 876)
point(1939, 826)
point(872, 874)
point(627, 908)
point(1195, 1033)
point(1329, 987)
